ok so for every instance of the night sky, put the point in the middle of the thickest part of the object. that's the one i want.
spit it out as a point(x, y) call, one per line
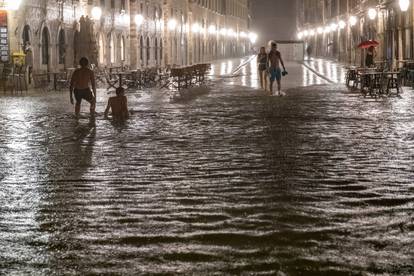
point(274, 19)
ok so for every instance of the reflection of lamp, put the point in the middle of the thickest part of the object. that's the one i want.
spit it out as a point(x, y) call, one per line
point(372, 14)
point(139, 19)
point(96, 13)
point(353, 20)
point(404, 4)
point(172, 24)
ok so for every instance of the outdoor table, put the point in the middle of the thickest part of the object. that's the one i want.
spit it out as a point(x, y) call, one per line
point(55, 75)
point(121, 75)
point(393, 81)
point(369, 80)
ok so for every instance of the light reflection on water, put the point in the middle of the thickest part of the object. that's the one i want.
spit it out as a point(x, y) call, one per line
point(316, 182)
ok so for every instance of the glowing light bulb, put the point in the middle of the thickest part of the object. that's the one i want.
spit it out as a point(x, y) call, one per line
point(139, 19)
point(172, 24)
point(372, 13)
point(404, 4)
point(96, 13)
point(353, 20)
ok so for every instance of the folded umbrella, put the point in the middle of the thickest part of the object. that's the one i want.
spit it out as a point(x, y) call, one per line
point(367, 44)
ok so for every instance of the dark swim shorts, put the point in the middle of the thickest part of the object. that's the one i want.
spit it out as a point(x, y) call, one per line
point(83, 94)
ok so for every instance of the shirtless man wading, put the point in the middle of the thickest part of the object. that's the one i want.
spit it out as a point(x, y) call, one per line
point(275, 59)
point(79, 85)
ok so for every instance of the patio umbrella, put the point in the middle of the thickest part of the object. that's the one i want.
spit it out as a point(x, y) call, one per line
point(367, 44)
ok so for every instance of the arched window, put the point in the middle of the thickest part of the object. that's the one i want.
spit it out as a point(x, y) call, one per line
point(122, 48)
point(141, 49)
point(45, 46)
point(26, 34)
point(148, 50)
point(61, 46)
point(161, 52)
point(112, 46)
point(101, 50)
point(156, 51)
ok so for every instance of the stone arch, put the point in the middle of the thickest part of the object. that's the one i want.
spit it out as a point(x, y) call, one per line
point(26, 34)
point(61, 45)
point(101, 49)
point(122, 48)
point(45, 44)
point(112, 48)
point(148, 50)
point(156, 50)
point(141, 50)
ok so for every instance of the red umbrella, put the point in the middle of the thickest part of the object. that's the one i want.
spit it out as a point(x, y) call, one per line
point(367, 44)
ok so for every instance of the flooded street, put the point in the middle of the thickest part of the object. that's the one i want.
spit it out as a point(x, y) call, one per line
point(231, 181)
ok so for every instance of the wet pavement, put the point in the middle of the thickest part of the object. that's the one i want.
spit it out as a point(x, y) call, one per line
point(230, 181)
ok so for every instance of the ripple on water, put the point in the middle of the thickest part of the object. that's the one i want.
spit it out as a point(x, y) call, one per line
point(317, 182)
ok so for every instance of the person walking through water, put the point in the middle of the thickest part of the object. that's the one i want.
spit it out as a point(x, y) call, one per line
point(28, 60)
point(79, 86)
point(118, 105)
point(274, 62)
point(262, 66)
point(369, 58)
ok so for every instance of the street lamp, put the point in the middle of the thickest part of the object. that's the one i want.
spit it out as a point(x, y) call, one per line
point(253, 38)
point(334, 27)
point(312, 32)
point(353, 20)
point(372, 13)
point(196, 28)
point(96, 13)
point(212, 29)
point(319, 30)
point(404, 4)
point(341, 24)
point(172, 24)
point(139, 19)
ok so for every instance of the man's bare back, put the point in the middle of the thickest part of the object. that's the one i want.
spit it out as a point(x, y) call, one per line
point(82, 77)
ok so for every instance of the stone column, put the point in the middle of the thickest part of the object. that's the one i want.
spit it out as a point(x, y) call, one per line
point(133, 38)
point(166, 38)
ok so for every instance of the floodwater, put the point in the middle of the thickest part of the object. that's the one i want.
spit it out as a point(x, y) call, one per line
point(231, 181)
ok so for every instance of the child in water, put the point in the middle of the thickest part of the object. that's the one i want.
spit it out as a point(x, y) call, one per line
point(118, 105)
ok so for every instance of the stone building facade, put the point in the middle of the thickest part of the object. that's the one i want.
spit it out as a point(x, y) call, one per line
point(139, 33)
point(334, 28)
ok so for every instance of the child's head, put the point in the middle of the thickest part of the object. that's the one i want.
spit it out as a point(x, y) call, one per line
point(120, 91)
